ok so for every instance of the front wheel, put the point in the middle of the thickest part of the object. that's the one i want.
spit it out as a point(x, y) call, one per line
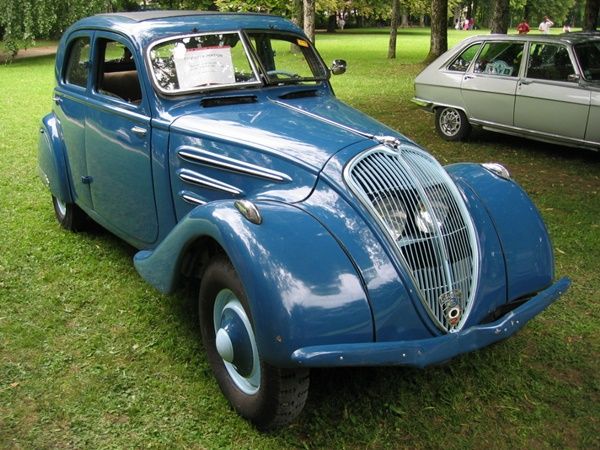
point(268, 396)
point(452, 124)
point(69, 215)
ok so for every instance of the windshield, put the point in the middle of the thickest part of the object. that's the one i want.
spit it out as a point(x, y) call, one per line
point(206, 61)
point(222, 60)
point(286, 58)
point(588, 55)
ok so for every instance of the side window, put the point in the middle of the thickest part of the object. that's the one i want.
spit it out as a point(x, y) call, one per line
point(462, 61)
point(117, 72)
point(549, 62)
point(500, 58)
point(77, 62)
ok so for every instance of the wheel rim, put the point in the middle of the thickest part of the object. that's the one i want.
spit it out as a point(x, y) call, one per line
point(61, 207)
point(235, 342)
point(450, 122)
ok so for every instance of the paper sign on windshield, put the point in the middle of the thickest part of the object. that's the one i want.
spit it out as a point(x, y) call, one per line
point(203, 66)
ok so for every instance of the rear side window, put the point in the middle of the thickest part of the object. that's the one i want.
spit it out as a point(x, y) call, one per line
point(589, 59)
point(500, 58)
point(462, 61)
point(77, 70)
point(549, 62)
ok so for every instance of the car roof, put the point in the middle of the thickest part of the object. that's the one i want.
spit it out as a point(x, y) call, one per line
point(569, 38)
point(147, 26)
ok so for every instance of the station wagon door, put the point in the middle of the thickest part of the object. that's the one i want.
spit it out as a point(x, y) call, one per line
point(118, 143)
point(548, 103)
point(488, 90)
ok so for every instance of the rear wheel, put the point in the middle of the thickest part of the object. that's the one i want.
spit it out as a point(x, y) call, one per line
point(452, 124)
point(268, 396)
point(69, 215)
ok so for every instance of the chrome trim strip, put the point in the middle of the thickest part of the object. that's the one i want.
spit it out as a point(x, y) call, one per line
point(190, 176)
point(494, 126)
point(323, 119)
point(206, 158)
point(190, 197)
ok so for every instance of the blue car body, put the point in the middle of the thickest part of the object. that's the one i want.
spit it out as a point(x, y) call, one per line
point(326, 284)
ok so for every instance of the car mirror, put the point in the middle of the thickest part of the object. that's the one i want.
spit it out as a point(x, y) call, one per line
point(338, 66)
point(573, 77)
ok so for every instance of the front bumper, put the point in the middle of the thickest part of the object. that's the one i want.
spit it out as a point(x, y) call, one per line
point(425, 352)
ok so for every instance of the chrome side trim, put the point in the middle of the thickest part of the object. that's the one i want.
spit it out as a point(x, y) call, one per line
point(189, 176)
point(206, 158)
point(190, 197)
point(531, 134)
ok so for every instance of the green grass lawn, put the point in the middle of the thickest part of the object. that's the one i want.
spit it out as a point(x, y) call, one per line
point(92, 357)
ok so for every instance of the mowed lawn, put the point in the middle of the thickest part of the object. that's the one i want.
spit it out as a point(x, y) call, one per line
point(92, 357)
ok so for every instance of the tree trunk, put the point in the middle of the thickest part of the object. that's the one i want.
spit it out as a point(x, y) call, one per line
point(500, 17)
point(439, 29)
point(331, 23)
point(404, 21)
point(422, 20)
point(394, 28)
point(309, 19)
point(298, 13)
point(590, 17)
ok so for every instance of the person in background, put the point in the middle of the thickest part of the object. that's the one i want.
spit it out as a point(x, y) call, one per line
point(566, 28)
point(523, 27)
point(545, 25)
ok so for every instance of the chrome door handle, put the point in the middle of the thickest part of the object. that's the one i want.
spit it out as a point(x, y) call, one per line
point(469, 77)
point(525, 82)
point(139, 131)
point(57, 99)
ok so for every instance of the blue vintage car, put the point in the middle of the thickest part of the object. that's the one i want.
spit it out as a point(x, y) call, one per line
point(214, 144)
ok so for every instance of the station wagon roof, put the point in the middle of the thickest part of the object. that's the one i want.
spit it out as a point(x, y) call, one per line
point(147, 26)
point(570, 38)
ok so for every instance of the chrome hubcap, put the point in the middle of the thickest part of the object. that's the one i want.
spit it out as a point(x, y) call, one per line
point(235, 342)
point(450, 122)
point(61, 207)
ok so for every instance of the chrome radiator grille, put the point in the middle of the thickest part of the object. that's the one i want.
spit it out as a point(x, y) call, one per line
point(421, 211)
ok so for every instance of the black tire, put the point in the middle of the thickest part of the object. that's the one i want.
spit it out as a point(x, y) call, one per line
point(69, 215)
point(268, 396)
point(452, 124)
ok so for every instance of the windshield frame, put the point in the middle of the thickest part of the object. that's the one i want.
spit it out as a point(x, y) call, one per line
point(270, 82)
point(247, 49)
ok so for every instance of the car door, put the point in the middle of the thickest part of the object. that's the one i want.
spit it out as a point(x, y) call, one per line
point(488, 89)
point(70, 98)
point(549, 100)
point(117, 137)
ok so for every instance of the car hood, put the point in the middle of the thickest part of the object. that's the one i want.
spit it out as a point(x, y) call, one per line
point(306, 130)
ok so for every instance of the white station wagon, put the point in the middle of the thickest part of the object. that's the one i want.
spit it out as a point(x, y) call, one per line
point(541, 87)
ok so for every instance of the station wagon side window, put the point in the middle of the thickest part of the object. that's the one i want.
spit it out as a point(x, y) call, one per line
point(78, 62)
point(462, 62)
point(500, 58)
point(549, 62)
point(117, 72)
point(588, 54)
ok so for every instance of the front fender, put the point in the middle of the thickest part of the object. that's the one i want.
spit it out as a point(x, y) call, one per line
point(523, 236)
point(51, 159)
point(302, 288)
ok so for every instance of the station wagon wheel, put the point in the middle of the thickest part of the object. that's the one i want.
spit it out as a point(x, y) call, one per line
point(69, 215)
point(268, 396)
point(452, 124)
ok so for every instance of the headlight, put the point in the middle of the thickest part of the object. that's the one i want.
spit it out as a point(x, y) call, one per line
point(393, 213)
point(427, 220)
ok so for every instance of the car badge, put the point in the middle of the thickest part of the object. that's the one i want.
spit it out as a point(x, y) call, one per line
point(450, 303)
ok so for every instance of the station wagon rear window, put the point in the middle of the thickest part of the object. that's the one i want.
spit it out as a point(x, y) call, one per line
point(200, 62)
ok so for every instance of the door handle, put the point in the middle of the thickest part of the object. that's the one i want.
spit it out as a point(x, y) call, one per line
point(139, 131)
point(57, 99)
point(525, 82)
point(469, 77)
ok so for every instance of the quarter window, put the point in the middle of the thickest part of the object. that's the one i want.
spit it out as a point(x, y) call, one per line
point(463, 61)
point(588, 54)
point(500, 58)
point(117, 73)
point(78, 62)
point(549, 62)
